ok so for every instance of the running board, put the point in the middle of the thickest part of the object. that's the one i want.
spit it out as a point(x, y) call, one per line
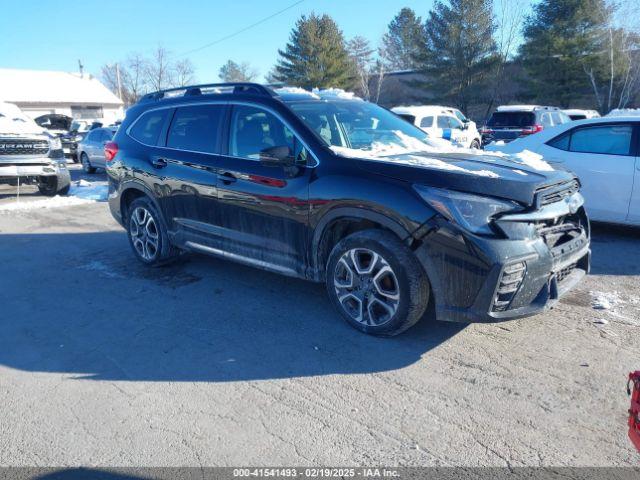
point(216, 252)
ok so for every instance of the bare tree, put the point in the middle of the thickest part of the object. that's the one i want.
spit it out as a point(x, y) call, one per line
point(379, 69)
point(361, 55)
point(510, 16)
point(134, 78)
point(158, 70)
point(183, 73)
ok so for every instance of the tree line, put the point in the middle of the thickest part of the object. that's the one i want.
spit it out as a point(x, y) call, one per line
point(471, 54)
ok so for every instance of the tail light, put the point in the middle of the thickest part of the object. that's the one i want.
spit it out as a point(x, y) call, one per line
point(110, 150)
point(532, 130)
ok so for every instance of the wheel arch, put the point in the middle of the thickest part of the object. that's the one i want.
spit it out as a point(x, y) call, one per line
point(132, 190)
point(340, 222)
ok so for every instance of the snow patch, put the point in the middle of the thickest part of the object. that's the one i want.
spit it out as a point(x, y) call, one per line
point(405, 150)
point(98, 266)
point(96, 191)
point(604, 301)
point(624, 112)
point(80, 193)
point(533, 160)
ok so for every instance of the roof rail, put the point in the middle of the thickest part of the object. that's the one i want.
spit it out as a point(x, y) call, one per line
point(217, 88)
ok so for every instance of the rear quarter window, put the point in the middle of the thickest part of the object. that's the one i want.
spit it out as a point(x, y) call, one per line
point(148, 126)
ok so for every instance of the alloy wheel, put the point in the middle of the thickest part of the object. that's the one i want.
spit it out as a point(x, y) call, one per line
point(144, 233)
point(366, 287)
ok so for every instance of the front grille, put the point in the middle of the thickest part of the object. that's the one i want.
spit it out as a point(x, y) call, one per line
point(553, 194)
point(565, 272)
point(24, 147)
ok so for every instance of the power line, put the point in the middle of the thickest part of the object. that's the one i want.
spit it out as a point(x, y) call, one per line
point(242, 30)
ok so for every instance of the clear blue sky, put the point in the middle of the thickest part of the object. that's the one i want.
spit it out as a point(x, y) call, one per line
point(48, 35)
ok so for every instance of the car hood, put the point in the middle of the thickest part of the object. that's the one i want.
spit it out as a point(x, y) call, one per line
point(514, 177)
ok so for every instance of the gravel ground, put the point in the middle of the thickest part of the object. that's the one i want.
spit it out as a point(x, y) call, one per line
point(104, 362)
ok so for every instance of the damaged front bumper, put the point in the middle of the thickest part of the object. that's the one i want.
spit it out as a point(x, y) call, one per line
point(481, 279)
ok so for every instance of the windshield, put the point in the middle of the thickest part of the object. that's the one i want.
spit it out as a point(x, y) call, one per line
point(360, 125)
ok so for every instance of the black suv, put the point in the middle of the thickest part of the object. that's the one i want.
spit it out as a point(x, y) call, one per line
point(509, 122)
point(343, 191)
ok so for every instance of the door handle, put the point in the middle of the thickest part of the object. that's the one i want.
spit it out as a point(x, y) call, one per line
point(227, 178)
point(159, 162)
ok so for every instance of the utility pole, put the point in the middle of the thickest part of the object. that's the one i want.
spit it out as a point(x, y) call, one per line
point(81, 67)
point(119, 81)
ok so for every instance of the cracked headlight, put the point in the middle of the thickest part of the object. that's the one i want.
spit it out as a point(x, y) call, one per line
point(472, 212)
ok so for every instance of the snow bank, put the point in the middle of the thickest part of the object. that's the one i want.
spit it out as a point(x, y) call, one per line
point(297, 91)
point(80, 193)
point(335, 93)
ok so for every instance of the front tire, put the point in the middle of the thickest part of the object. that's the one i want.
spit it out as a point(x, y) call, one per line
point(148, 234)
point(475, 145)
point(49, 187)
point(377, 283)
point(86, 164)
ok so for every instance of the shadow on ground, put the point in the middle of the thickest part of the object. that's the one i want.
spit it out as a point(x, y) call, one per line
point(615, 250)
point(80, 304)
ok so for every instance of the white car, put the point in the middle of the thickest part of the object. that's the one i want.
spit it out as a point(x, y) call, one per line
point(603, 152)
point(577, 114)
point(442, 122)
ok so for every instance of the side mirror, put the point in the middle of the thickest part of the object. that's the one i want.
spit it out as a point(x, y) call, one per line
point(277, 156)
point(465, 125)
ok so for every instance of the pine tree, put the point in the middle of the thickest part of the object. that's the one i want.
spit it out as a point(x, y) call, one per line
point(404, 40)
point(236, 72)
point(562, 41)
point(460, 50)
point(316, 55)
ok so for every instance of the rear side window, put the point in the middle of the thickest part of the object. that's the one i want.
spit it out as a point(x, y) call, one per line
point(426, 122)
point(195, 128)
point(511, 119)
point(443, 122)
point(607, 140)
point(148, 127)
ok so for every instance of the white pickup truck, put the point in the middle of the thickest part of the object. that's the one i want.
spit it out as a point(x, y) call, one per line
point(29, 155)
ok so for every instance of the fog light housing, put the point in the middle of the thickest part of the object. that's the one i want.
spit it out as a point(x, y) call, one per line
point(510, 281)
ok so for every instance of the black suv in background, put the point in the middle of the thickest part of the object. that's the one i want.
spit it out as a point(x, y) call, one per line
point(509, 122)
point(343, 191)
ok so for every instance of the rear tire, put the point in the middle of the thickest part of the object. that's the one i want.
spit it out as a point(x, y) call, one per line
point(86, 164)
point(377, 283)
point(475, 145)
point(148, 234)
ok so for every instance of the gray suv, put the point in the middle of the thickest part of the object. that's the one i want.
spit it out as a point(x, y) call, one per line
point(29, 155)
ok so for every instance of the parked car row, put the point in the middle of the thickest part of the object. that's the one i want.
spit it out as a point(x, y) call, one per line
point(70, 131)
point(442, 122)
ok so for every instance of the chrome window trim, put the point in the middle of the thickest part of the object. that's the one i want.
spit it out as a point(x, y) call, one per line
point(227, 103)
